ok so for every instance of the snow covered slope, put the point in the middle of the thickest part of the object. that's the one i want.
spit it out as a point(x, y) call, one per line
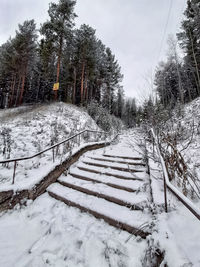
point(182, 130)
point(187, 124)
point(28, 130)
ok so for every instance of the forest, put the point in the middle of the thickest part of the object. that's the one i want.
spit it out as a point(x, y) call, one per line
point(61, 62)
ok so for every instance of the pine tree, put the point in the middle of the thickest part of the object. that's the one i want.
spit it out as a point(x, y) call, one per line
point(189, 39)
point(18, 56)
point(58, 28)
point(112, 79)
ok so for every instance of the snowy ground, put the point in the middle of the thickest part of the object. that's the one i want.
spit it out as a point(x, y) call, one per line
point(185, 125)
point(178, 231)
point(49, 233)
point(25, 131)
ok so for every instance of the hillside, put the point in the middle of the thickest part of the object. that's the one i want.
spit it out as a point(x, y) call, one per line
point(183, 130)
point(28, 130)
point(178, 230)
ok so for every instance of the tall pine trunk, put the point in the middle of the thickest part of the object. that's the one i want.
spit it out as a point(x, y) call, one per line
point(86, 91)
point(82, 82)
point(22, 89)
point(196, 64)
point(58, 65)
point(74, 88)
point(12, 89)
point(18, 87)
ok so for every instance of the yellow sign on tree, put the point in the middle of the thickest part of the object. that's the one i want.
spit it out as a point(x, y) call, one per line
point(56, 86)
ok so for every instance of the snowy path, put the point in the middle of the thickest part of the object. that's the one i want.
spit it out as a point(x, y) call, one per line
point(49, 233)
point(111, 184)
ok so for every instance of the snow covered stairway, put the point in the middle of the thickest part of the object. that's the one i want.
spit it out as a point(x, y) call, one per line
point(109, 186)
point(118, 196)
point(118, 216)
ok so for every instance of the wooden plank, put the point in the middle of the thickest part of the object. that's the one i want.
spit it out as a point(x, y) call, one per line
point(109, 174)
point(100, 195)
point(120, 187)
point(112, 167)
point(122, 157)
point(132, 230)
point(120, 161)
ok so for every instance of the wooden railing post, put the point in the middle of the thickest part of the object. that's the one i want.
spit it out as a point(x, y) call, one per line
point(79, 139)
point(53, 155)
point(15, 165)
point(165, 195)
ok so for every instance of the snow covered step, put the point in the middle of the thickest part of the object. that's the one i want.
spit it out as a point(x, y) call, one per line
point(122, 165)
point(128, 189)
point(121, 217)
point(128, 185)
point(107, 159)
point(119, 167)
point(120, 197)
point(111, 172)
point(122, 157)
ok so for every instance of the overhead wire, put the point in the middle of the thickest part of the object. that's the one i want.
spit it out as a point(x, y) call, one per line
point(165, 28)
point(165, 31)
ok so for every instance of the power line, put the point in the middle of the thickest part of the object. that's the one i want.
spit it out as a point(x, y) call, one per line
point(165, 29)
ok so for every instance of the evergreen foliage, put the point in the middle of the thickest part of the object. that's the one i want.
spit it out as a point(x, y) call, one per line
point(179, 80)
point(84, 67)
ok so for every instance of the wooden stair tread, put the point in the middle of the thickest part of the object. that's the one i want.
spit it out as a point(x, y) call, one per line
point(122, 157)
point(118, 161)
point(123, 169)
point(120, 197)
point(114, 185)
point(87, 169)
point(135, 184)
point(112, 213)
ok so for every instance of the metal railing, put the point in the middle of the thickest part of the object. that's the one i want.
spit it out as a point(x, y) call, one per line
point(186, 202)
point(77, 136)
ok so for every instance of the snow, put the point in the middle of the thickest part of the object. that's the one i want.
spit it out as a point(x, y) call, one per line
point(178, 231)
point(116, 164)
point(37, 174)
point(32, 129)
point(128, 197)
point(107, 179)
point(53, 234)
point(185, 125)
point(173, 188)
point(49, 233)
point(112, 210)
point(128, 175)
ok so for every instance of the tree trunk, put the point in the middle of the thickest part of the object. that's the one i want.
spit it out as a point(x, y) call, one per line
point(74, 88)
point(17, 93)
point(82, 82)
point(86, 93)
point(196, 64)
point(22, 88)
point(58, 65)
point(12, 90)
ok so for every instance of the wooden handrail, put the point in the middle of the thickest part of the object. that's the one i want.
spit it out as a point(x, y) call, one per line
point(49, 148)
point(15, 160)
point(186, 202)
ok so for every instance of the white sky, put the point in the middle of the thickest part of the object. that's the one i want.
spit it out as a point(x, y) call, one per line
point(133, 29)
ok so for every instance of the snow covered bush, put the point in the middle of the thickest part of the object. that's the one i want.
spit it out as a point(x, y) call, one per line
point(103, 119)
point(6, 142)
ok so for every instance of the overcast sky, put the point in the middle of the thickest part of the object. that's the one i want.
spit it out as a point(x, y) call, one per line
point(133, 29)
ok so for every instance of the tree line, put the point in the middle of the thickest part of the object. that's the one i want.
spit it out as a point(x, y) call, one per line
point(74, 60)
point(178, 80)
